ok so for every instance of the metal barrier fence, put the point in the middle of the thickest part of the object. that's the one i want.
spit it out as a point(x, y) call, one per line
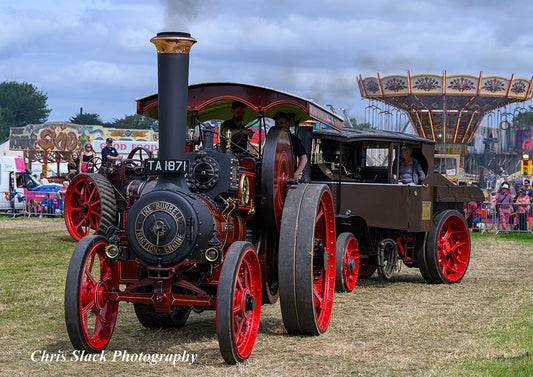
point(516, 217)
point(36, 204)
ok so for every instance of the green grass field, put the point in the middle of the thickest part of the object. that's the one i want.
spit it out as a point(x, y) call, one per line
point(482, 326)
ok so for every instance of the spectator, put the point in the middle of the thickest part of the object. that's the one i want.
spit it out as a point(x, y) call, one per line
point(522, 208)
point(47, 205)
point(87, 159)
point(58, 205)
point(474, 215)
point(527, 186)
point(73, 165)
point(504, 202)
point(490, 180)
point(43, 180)
point(33, 207)
point(503, 173)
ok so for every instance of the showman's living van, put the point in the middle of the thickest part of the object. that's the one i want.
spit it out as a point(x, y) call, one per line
point(15, 180)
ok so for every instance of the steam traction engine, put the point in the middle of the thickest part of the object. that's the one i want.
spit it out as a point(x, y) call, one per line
point(206, 236)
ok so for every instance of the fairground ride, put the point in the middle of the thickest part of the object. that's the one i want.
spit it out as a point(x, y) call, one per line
point(446, 108)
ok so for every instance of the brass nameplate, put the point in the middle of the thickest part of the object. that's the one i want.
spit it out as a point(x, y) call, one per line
point(426, 210)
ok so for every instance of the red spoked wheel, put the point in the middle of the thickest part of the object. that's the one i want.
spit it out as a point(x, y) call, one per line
point(447, 252)
point(90, 206)
point(276, 169)
point(347, 265)
point(268, 258)
point(367, 267)
point(89, 316)
point(307, 259)
point(238, 302)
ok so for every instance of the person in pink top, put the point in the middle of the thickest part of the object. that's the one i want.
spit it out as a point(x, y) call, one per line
point(522, 209)
point(504, 201)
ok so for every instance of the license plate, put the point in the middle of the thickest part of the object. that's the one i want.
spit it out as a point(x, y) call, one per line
point(166, 166)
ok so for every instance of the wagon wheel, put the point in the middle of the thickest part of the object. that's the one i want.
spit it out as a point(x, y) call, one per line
point(151, 319)
point(307, 259)
point(421, 257)
point(367, 267)
point(447, 248)
point(387, 258)
point(238, 302)
point(268, 258)
point(90, 318)
point(89, 205)
point(276, 169)
point(347, 262)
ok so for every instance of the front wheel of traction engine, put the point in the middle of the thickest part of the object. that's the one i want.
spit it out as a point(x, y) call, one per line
point(446, 256)
point(90, 205)
point(238, 310)
point(89, 316)
point(307, 259)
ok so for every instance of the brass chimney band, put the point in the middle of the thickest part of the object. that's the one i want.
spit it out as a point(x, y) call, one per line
point(173, 44)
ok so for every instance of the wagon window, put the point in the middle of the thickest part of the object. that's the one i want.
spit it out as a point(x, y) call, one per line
point(377, 157)
point(446, 166)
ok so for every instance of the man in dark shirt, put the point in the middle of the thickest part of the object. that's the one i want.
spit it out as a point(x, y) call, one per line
point(298, 149)
point(239, 135)
point(109, 153)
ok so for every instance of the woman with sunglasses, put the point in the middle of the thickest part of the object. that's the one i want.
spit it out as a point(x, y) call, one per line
point(87, 157)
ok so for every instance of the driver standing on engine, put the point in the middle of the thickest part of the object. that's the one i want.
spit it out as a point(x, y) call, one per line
point(281, 119)
point(239, 134)
point(109, 153)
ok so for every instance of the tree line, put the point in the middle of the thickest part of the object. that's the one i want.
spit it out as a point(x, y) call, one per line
point(22, 103)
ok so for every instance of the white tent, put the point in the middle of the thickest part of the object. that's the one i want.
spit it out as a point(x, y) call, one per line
point(4, 150)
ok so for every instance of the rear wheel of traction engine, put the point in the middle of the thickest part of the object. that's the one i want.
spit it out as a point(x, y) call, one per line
point(307, 259)
point(89, 317)
point(276, 169)
point(151, 319)
point(238, 311)
point(90, 206)
point(347, 262)
point(447, 252)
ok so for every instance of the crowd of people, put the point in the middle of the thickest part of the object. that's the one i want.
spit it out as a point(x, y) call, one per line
point(510, 202)
point(84, 161)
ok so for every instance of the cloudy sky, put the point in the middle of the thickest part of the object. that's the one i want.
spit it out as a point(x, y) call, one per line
point(97, 55)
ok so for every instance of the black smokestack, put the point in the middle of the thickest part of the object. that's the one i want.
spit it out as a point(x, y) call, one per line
point(173, 80)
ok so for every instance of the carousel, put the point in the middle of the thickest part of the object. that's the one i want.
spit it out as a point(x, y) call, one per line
point(446, 108)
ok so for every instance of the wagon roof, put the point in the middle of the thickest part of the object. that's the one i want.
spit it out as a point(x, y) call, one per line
point(213, 100)
point(363, 134)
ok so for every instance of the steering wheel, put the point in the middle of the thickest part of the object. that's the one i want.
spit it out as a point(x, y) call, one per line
point(96, 163)
point(136, 158)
